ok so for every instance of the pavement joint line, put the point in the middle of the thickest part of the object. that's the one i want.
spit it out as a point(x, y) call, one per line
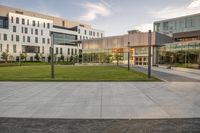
point(101, 104)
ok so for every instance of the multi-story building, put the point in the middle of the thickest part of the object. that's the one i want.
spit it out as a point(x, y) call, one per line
point(115, 49)
point(178, 25)
point(28, 32)
point(186, 46)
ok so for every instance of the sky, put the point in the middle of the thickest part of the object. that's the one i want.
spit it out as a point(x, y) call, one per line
point(115, 17)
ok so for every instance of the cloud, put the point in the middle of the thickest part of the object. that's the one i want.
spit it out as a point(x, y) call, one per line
point(172, 12)
point(145, 27)
point(94, 9)
point(195, 3)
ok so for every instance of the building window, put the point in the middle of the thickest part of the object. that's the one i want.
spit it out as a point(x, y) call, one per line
point(26, 30)
point(93, 33)
point(22, 29)
point(12, 38)
point(36, 40)
point(31, 31)
point(27, 22)
point(41, 32)
point(14, 29)
point(5, 37)
point(38, 24)
point(97, 34)
point(33, 22)
point(11, 19)
point(68, 51)
point(17, 38)
point(44, 25)
point(48, 25)
point(80, 37)
point(0, 47)
point(61, 51)
point(7, 47)
point(85, 32)
point(56, 50)
point(23, 38)
point(72, 51)
point(79, 31)
point(14, 48)
point(23, 21)
point(101, 34)
point(36, 31)
point(48, 41)
point(28, 39)
point(43, 40)
point(17, 20)
point(42, 49)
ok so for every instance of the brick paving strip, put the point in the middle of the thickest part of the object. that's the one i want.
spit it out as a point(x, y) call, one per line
point(35, 125)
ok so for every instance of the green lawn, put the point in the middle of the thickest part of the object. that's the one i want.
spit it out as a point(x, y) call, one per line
point(70, 73)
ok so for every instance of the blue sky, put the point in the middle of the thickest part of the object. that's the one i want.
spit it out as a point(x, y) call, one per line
point(113, 16)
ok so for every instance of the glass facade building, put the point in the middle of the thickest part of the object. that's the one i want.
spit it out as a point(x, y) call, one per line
point(179, 53)
point(178, 25)
point(115, 49)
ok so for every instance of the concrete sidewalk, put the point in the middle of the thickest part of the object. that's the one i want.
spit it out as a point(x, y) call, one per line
point(127, 100)
point(170, 75)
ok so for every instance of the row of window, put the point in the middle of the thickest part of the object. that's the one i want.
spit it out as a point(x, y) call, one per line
point(91, 33)
point(27, 22)
point(58, 50)
point(25, 30)
point(25, 39)
point(7, 48)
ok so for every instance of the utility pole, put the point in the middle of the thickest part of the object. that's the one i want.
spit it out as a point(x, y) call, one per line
point(52, 56)
point(149, 54)
point(128, 56)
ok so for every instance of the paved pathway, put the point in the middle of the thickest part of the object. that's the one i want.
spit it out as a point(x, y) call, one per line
point(170, 75)
point(100, 100)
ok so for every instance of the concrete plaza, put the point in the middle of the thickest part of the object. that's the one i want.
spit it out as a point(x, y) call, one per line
point(98, 100)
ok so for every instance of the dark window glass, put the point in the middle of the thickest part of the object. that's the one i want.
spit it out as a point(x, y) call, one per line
point(28, 39)
point(44, 25)
point(27, 22)
point(17, 20)
point(14, 29)
point(42, 32)
point(12, 38)
point(23, 38)
point(48, 25)
point(23, 21)
point(22, 29)
point(26, 30)
point(5, 37)
point(48, 41)
point(68, 51)
point(17, 38)
point(56, 50)
point(61, 51)
point(11, 19)
point(36, 31)
point(33, 22)
point(43, 40)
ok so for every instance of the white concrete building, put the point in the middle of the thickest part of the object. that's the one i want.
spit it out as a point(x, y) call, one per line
point(29, 33)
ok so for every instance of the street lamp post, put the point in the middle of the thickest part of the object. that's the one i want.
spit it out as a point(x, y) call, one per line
point(149, 54)
point(52, 56)
point(128, 56)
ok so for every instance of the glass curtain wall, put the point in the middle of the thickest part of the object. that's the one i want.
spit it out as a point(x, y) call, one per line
point(179, 54)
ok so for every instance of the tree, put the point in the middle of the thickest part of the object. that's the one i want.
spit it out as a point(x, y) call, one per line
point(62, 58)
point(49, 58)
point(23, 56)
point(4, 56)
point(118, 57)
point(37, 57)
